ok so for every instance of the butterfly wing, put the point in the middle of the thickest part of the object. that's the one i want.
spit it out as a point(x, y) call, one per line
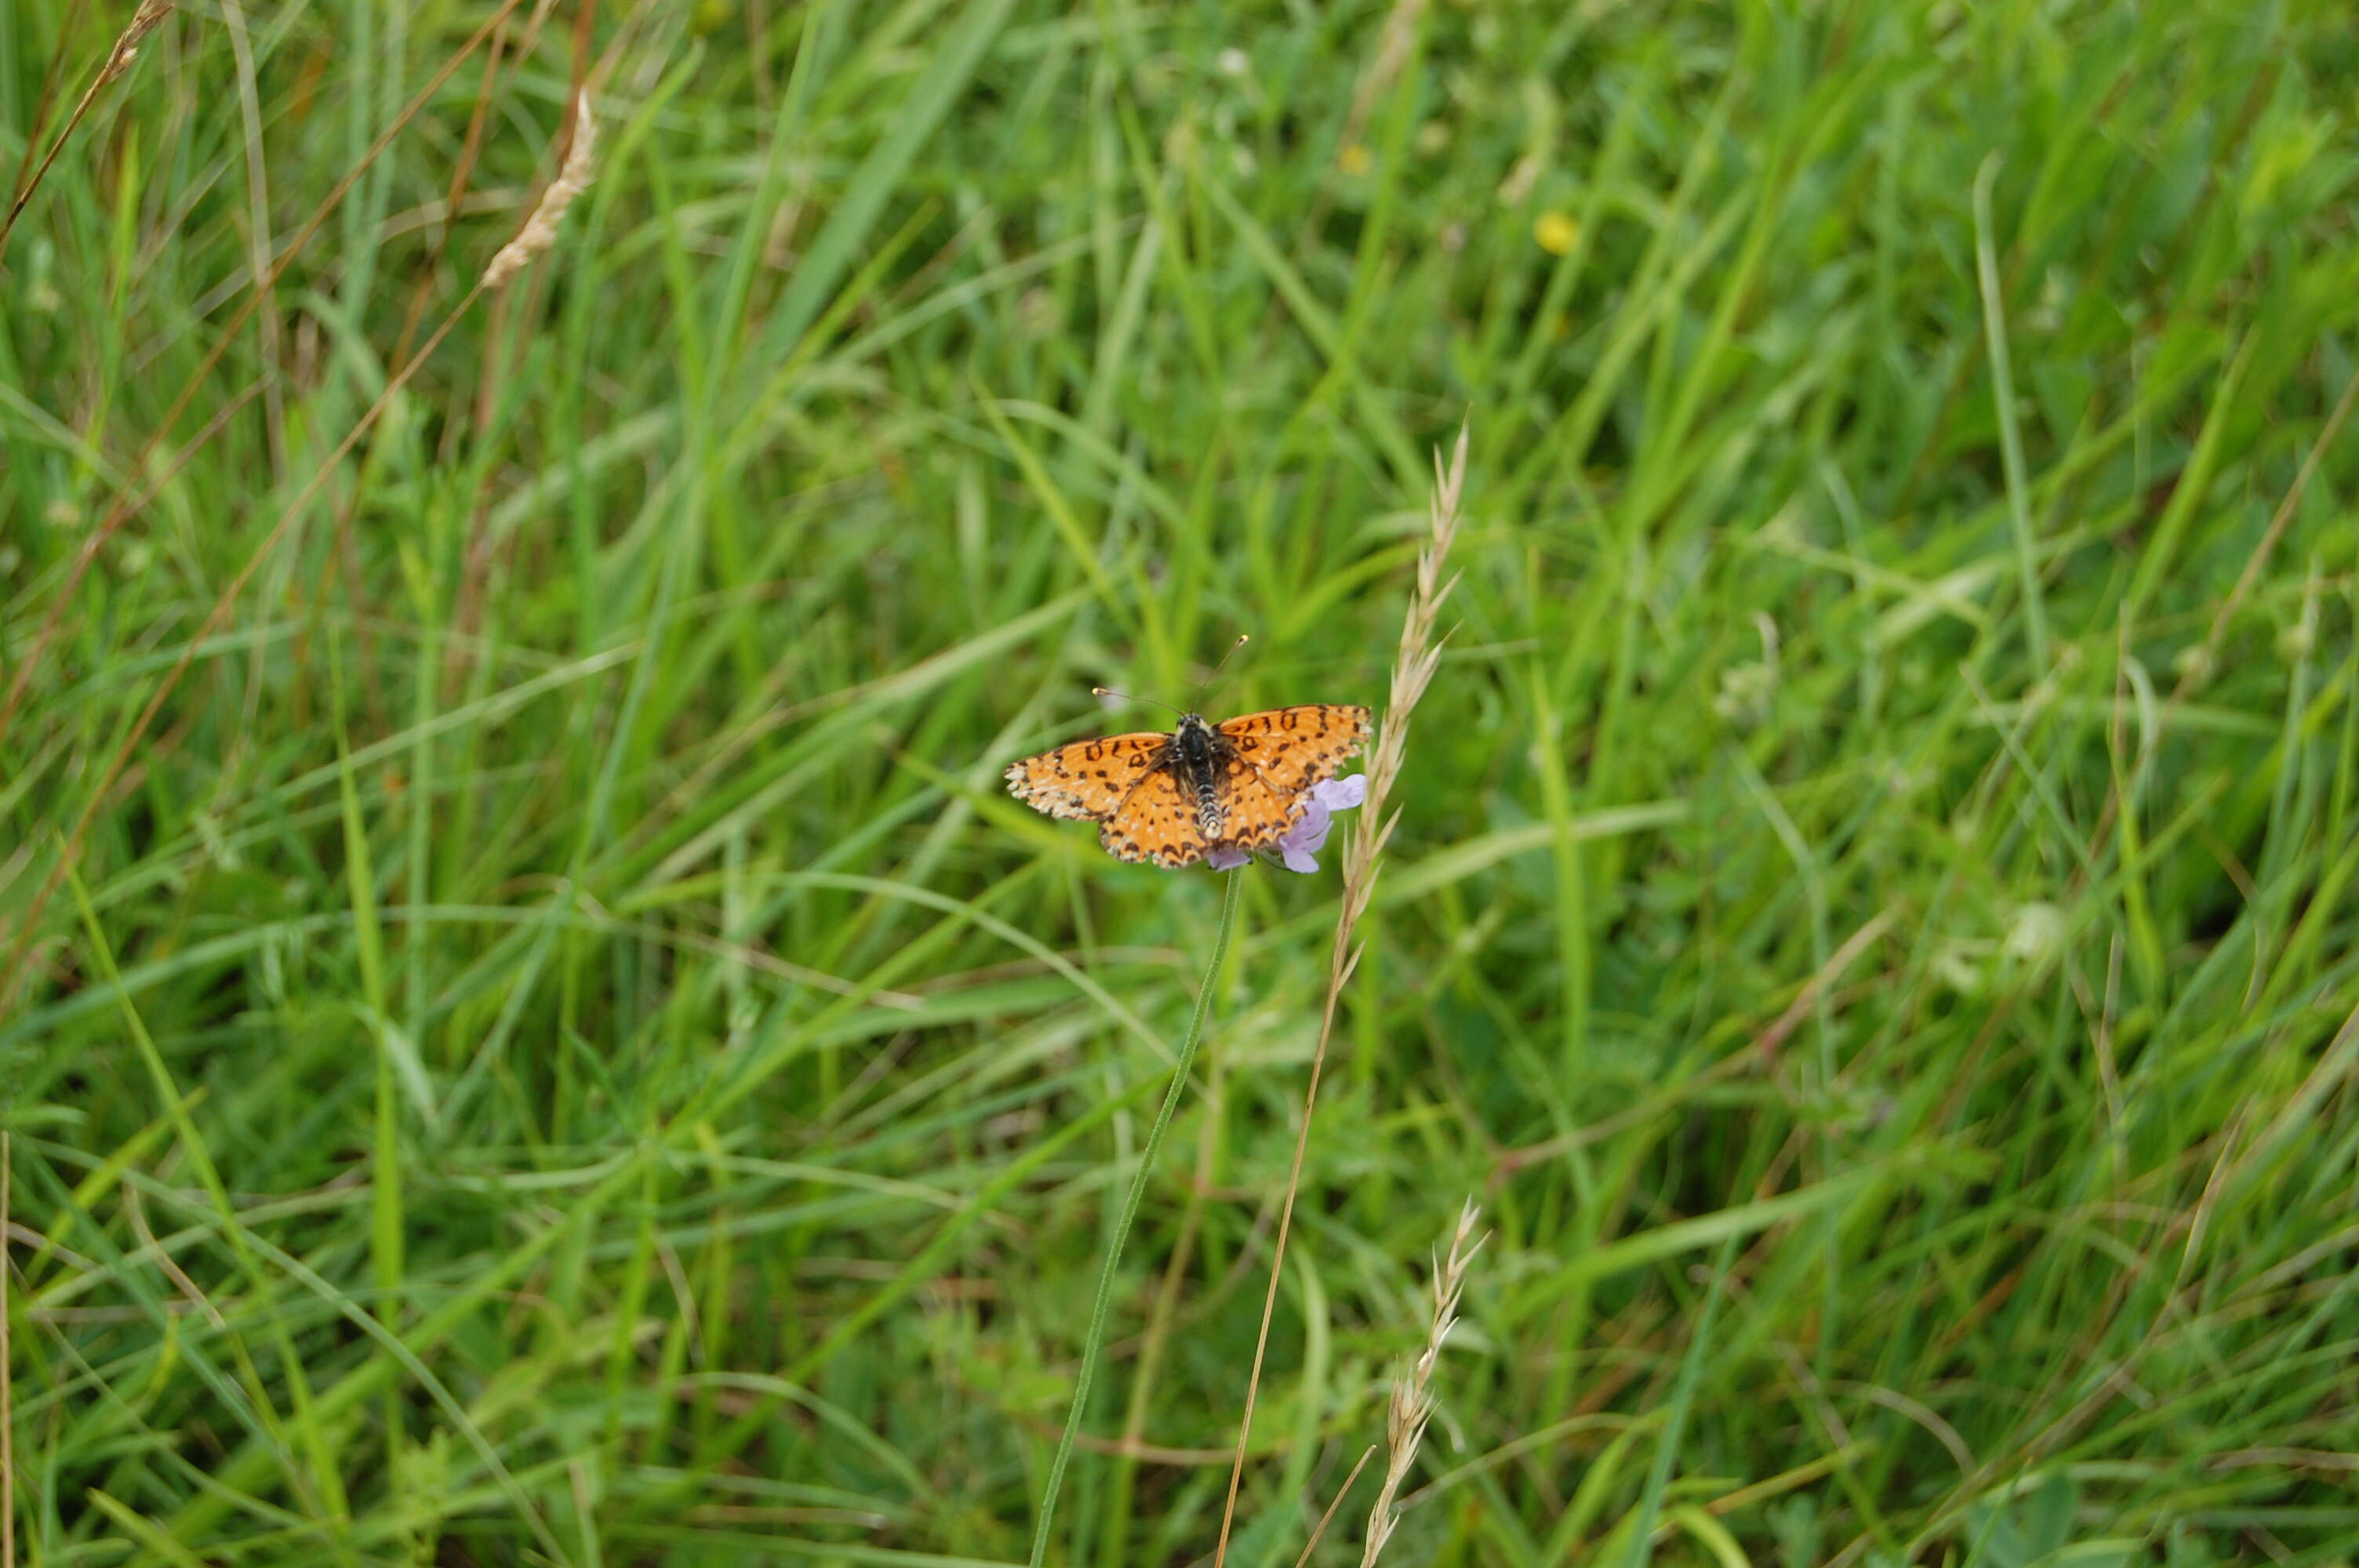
point(1294, 747)
point(1156, 821)
point(1088, 779)
point(1253, 815)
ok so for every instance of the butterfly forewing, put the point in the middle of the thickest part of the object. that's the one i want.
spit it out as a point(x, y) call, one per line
point(1294, 747)
point(1087, 779)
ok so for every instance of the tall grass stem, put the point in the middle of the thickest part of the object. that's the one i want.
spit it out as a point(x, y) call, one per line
point(1102, 1304)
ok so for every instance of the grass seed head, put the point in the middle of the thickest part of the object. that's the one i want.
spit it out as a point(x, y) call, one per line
point(1412, 1401)
point(539, 231)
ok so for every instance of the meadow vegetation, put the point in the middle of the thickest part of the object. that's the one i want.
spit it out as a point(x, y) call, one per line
point(530, 1031)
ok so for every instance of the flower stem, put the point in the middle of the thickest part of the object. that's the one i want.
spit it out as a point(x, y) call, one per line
point(1101, 1304)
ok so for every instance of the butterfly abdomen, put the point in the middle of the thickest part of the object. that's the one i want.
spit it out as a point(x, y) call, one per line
point(1198, 767)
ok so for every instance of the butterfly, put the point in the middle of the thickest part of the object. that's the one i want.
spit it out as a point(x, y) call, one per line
point(1175, 798)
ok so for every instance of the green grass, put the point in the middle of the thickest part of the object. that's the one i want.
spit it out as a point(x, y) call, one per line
point(550, 1044)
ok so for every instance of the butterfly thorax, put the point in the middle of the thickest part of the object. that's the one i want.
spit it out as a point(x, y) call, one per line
point(1198, 755)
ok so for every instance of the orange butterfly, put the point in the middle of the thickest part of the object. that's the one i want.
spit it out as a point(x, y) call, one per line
point(1174, 799)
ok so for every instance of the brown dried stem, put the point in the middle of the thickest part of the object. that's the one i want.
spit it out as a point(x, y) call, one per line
point(1319, 1530)
point(144, 21)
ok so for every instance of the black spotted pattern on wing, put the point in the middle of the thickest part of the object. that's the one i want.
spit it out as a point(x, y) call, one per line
point(1088, 779)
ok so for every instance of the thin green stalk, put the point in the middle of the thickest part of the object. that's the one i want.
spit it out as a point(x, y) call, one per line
point(1640, 1547)
point(1099, 1306)
point(2010, 435)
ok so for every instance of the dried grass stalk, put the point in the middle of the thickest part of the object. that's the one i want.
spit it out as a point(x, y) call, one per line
point(1413, 666)
point(1328, 1518)
point(144, 21)
point(539, 231)
point(1412, 1403)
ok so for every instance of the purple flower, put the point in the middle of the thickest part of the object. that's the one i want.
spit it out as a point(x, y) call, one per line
point(1309, 834)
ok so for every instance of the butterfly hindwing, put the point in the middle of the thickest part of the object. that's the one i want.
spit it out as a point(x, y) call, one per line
point(1253, 815)
point(1156, 821)
point(1087, 779)
point(1294, 747)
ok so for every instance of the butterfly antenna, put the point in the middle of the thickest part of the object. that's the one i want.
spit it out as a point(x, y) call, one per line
point(1109, 691)
point(1197, 700)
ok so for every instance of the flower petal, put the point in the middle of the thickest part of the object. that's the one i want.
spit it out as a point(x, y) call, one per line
point(1305, 837)
point(1226, 859)
point(1340, 794)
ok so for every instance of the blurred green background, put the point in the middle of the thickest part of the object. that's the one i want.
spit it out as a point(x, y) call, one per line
point(530, 1032)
